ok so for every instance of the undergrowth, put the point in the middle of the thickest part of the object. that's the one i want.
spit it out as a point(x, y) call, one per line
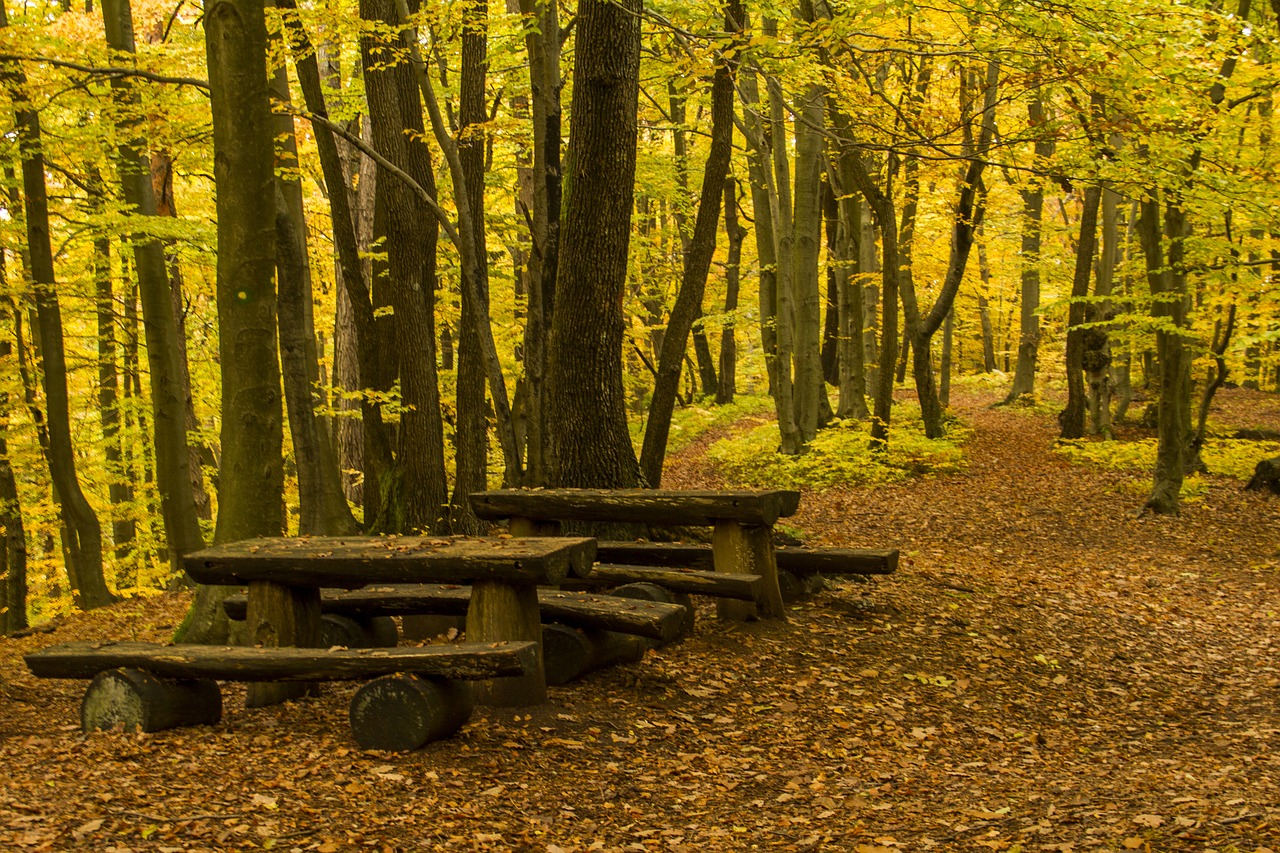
point(689, 422)
point(840, 455)
point(1229, 457)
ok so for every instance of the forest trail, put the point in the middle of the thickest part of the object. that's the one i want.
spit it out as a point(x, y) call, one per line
point(1047, 671)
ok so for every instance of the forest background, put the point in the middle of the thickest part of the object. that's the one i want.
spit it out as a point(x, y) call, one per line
point(473, 244)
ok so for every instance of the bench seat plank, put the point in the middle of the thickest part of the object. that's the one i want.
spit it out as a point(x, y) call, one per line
point(354, 561)
point(251, 663)
point(654, 620)
point(798, 560)
point(639, 506)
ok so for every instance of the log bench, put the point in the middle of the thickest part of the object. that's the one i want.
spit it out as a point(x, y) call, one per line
point(741, 521)
point(796, 565)
point(416, 695)
point(284, 577)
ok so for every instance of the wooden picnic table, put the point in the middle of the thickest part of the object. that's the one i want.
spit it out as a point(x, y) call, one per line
point(741, 521)
point(284, 576)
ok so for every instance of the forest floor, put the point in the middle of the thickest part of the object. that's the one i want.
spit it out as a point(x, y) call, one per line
point(1046, 671)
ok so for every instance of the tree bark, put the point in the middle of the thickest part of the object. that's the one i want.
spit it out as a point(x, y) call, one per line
point(849, 288)
point(251, 477)
point(587, 412)
point(811, 405)
point(13, 537)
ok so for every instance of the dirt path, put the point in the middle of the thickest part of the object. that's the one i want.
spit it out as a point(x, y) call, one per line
point(1046, 672)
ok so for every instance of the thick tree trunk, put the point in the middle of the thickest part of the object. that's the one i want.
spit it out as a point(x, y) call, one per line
point(251, 477)
point(845, 261)
point(1097, 349)
point(587, 407)
point(697, 264)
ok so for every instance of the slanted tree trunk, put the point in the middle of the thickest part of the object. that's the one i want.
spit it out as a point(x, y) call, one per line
point(169, 392)
point(587, 408)
point(251, 477)
point(697, 264)
point(81, 530)
point(1024, 372)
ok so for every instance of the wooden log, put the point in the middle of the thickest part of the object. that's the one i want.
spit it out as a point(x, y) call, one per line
point(737, 549)
point(403, 712)
point(353, 562)
point(798, 560)
point(655, 594)
point(504, 611)
point(579, 609)
point(279, 615)
point(570, 653)
point(790, 586)
point(637, 506)
point(140, 701)
point(417, 627)
point(368, 633)
point(248, 663)
point(695, 581)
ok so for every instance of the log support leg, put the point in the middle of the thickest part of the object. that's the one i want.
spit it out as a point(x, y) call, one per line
point(736, 549)
point(663, 595)
point(376, 632)
point(139, 701)
point(505, 611)
point(281, 615)
point(399, 713)
point(570, 653)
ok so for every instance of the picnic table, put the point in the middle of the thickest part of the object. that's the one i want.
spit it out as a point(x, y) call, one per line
point(417, 695)
point(741, 522)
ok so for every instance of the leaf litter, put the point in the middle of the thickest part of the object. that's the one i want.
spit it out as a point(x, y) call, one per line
point(1045, 672)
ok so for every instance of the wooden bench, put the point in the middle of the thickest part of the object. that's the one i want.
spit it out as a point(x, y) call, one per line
point(797, 566)
point(417, 694)
point(284, 577)
point(741, 521)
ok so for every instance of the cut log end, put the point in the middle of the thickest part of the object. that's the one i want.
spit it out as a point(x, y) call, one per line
point(400, 713)
point(139, 701)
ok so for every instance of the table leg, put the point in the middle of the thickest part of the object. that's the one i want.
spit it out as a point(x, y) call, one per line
point(736, 549)
point(506, 611)
point(281, 615)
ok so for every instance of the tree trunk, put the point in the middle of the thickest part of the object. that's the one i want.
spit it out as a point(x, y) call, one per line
point(1097, 344)
point(418, 480)
point(1071, 419)
point(735, 233)
point(587, 408)
point(984, 312)
point(542, 42)
point(845, 261)
point(82, 532)
point(810, 390)
point(697, 264)
point(472, 431)
point(1024, 372)
point(13, 537)
point(251, 477)
point(1166, 277)
point(944, 381)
